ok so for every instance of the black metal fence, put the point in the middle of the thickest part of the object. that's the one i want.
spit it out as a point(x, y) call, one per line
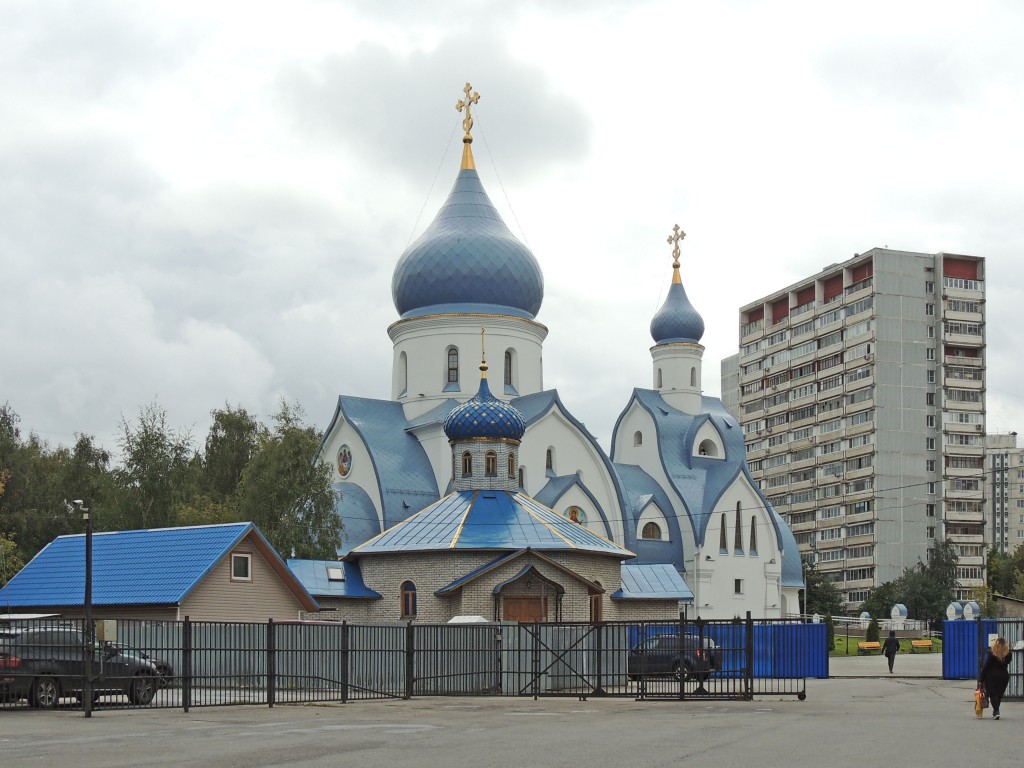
point(198, 664)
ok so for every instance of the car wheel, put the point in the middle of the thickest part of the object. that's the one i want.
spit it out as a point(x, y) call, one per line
point(681, 672)
point(142, 689)
point(45, 693)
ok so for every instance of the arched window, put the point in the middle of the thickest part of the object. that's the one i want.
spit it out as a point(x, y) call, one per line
point(723, 542)
point(408, 600)
point(693, 377)
point(651, 531)
point(707, 448)
point(511, 465)
point(638, 438)
point(453, 365)
point(658, 380)
point(508, 367)
point(403, 374)
point(549, 460)
point(467, 464)
point(753, 535)
point(491, 464)
point(738, 544)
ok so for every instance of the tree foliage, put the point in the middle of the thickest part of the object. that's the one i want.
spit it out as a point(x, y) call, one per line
point(820, 596)
point(871, 633)
point(244, 471)
point(1005, 572)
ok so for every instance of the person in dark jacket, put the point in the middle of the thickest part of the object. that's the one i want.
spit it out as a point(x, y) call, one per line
point(889, 648)
point(995, 673)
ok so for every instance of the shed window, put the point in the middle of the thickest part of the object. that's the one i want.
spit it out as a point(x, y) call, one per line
point(241, 567)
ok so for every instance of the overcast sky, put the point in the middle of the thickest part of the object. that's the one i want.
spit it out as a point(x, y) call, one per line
point(202, 202)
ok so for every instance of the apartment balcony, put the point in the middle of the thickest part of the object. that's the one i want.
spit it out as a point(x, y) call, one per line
point(951, 449)
point(972, 362)
point(807, 463)
point(960, 494)
point(800, 527)
point(860, 450)
point(951, 381)
point(963, 340)
point(854, 562)
point(860, 583)
point(860, 517)
point(857, 474)
point(858, 291)
point(963, 317)
point(863, 405)
point(961, 471)
point(967, 538)
point(860, 429)
point(752, 331)
point(959, 517)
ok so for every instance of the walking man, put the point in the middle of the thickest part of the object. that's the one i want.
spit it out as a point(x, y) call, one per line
point(889, 648)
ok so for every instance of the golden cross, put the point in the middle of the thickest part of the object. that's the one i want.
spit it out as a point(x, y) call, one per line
point(673, 239)
point(469, 101)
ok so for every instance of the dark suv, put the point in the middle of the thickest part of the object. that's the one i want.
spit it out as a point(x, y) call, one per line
point(45, 663)
point(683, 657)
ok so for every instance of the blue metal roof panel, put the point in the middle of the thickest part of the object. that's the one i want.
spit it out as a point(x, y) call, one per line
point(655, 581)
point(358, 516)
point(145, 567)
point(314, 576)
point(492, 520)
point(405, 478)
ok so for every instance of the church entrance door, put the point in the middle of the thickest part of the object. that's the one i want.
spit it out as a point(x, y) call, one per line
point(524, 609)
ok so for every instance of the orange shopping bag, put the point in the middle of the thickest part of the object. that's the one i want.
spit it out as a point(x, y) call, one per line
point(977, 702)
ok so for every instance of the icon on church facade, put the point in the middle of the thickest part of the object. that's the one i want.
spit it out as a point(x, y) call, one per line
point(344, 461)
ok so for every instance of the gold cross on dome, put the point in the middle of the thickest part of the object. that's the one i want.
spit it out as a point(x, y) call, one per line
point(673, 239)
point(469, 101)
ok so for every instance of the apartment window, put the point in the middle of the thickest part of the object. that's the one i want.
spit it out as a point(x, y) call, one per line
point(929, 353)
point(830, 534)
point(931, 489)
point(241, 567)
point(929, 286)
point(931, 377)
point(931, 331)
point(929, 398)
point(737, 586)
point(929, 443)
point(929, 465)
point(861, 530)
point(929, 420)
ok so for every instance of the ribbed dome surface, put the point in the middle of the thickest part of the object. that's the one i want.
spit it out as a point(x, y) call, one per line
point(484, 416)
point(467, 261)
point(677, 320)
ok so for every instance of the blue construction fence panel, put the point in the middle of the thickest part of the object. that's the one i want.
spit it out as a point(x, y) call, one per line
point(961, 650)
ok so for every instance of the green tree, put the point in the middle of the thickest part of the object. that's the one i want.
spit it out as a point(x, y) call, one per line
point(924, 588)
point(871, 634)
point(820, 596)
point(234, 437)
point(287, 492)
point(159, 472)
point(11, 560)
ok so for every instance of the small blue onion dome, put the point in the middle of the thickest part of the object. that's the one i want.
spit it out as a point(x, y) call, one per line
point(484, 416)
point(677, 320)
point(467, 260)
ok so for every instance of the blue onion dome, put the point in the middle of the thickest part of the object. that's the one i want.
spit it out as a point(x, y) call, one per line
point(485, 416)
point(677, 320)
point(467, 260)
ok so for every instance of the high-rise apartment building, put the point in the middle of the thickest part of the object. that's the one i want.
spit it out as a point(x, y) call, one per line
point(861, 391)
point(1004, 485)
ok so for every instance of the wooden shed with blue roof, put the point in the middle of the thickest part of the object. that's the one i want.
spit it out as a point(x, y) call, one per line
point(227, 572)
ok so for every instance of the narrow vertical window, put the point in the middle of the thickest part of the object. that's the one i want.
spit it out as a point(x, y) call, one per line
point(408, 600)
point(738, 544)
point(467, 464)
point(658, 380)
point(549, 460)
point(508, 367)
point(723, 541)
point(693, 377)
point(453, 365)
point(491, 464)
point(511, 465)
point(522, 478)
point(638, 438)
point(753, 535)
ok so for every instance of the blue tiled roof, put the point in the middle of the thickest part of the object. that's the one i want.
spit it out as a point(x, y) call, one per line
point(158, 566)
point(677, 320)
point(313, 575)
point(405, 478)
point(652, 582)
point(488, 520)
point(466, 260)
point(484, 416)
point(358, 516)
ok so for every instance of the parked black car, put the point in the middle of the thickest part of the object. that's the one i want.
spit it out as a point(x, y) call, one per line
point(163, 668)
point(685, 657)
point(45, 663)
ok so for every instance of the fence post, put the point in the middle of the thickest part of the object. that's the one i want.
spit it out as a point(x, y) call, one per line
point(410, 661)
point(271, 662)
point(681, 635)
point(749, 676)
point(344, 662)
point(186, 663)
point(599, 650)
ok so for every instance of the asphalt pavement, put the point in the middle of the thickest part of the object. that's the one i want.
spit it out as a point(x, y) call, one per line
point(861, 716)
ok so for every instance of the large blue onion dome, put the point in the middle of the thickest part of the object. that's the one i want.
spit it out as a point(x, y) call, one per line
point(485, 416)
point(467, 260)
point(677, 320)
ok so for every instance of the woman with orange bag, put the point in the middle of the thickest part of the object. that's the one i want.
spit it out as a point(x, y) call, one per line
point(994, 676)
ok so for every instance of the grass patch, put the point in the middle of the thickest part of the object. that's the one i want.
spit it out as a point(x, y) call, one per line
point(849, 648)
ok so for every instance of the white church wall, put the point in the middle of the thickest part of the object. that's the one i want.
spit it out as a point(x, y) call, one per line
point(573, 454)
point(439, 453)
point(420, 358)
point(653, 514)
point(361, 471)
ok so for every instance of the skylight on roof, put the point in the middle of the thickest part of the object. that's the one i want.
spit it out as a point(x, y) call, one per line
point(335, 574)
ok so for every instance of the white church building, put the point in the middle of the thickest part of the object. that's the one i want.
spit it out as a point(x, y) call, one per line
point(675, 489)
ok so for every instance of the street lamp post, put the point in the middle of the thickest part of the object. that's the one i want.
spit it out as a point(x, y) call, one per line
point(88, 634)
